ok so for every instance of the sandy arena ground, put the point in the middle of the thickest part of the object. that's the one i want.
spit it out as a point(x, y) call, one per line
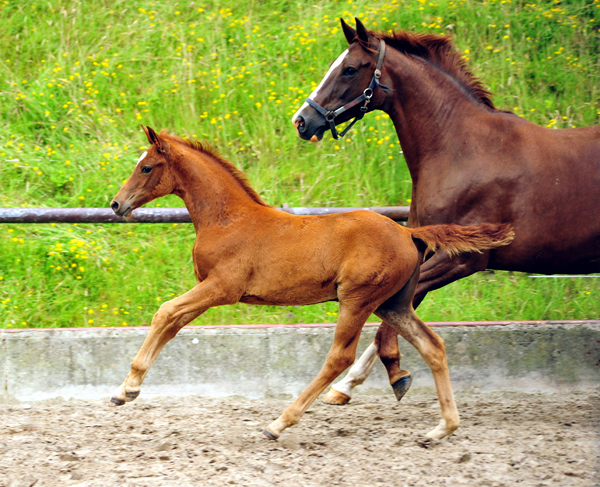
point(506, 439)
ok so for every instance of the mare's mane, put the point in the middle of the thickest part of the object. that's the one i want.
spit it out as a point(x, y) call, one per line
point(212, 153)
point(439, 51)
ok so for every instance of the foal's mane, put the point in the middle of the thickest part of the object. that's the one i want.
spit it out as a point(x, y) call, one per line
point(440, 52)
point(212, 153)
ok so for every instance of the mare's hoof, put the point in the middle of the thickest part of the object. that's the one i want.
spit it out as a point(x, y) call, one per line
point(131, 395)
point(115, 401)
point(401, 386)
point(269, 435)
point(336, 398)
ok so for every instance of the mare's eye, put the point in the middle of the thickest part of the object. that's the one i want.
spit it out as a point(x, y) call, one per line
point(349, 71)
point(146, 170)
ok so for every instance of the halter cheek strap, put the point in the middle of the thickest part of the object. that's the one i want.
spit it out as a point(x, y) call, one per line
point(331, 115)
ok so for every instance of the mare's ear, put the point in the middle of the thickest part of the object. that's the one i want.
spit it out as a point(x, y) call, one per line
point(349, 32)
point(155, 139)
point(361, 31)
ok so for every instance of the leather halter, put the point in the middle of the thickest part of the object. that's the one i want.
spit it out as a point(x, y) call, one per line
point(331, 115)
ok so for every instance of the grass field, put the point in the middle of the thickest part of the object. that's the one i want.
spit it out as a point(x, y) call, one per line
point(77, 79)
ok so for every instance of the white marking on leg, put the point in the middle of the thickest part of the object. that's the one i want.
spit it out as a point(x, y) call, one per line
point(359, 372)
point(313, 95)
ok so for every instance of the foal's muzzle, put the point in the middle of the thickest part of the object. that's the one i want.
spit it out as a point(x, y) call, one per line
point(121, 209)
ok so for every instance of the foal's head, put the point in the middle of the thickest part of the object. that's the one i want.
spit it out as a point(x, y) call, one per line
point(151, 178)
point(348, 77)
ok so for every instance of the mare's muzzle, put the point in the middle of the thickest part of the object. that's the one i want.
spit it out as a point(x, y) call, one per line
point(310, 126)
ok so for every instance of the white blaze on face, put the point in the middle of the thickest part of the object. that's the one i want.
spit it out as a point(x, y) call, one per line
point(313, 95)
point(141, 158)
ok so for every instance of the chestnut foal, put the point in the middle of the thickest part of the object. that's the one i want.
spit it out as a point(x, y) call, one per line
point(249, 252)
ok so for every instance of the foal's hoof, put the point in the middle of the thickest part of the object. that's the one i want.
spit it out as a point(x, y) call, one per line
point(401, 386)
point(131, 395)
point(115, 401)
point(269, 435)
point(336, 398)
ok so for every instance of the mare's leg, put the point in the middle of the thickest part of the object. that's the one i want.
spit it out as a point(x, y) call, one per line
point(442, 269)
point(166, 323)
point(341, 393)
point(384, 346)
point(340, 356)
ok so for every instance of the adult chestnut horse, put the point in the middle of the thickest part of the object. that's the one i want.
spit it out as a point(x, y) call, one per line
point(246, 251)
point(469, 163)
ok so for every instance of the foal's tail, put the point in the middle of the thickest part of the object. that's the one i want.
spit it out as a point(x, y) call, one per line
point(456, 239)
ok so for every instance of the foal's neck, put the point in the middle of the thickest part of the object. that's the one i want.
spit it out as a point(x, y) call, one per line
point(213, 195)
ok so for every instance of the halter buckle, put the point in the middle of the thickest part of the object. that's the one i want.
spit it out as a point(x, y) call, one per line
point(377, 74)
point(330, 117)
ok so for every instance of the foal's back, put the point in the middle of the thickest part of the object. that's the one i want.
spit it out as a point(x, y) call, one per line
point(311, 259)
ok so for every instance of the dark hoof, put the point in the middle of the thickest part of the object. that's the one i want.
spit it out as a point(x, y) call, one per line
point(401, 386)
point(116, 401)
point(269, 435)
point(132, 394)
point(427, 443)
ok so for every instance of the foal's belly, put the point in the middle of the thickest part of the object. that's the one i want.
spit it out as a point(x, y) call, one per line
point(290, 297)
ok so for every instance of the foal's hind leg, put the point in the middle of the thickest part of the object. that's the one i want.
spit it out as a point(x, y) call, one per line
point(166, 323)
point(385, 347)
point(389, 353)
point(433, 350)
point(340, 356)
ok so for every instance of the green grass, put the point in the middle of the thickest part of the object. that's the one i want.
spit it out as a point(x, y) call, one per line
point(78, 78)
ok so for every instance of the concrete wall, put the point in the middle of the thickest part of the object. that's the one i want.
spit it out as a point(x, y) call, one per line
point(263, 361)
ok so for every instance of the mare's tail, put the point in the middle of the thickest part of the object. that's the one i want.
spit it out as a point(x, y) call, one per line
point(456, 239)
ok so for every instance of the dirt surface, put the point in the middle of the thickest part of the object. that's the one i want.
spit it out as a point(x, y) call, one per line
point(529, 439)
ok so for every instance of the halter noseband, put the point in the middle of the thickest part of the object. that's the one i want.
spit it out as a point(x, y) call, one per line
point(331, 115)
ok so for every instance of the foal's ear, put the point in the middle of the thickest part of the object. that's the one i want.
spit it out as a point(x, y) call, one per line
point(361, 31)
point(349, 32)
point(161, 144)
point(146, 132)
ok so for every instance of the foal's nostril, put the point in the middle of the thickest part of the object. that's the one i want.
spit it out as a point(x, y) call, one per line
point(115, 206)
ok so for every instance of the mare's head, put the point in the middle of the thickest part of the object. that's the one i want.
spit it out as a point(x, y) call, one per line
point(347, 79)
point(150, 179)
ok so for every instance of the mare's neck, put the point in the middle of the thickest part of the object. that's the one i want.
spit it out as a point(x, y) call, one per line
point(213, 196)
point(429, 110)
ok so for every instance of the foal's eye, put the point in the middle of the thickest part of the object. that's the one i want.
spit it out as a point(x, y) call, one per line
point(349, 71)
point(146, 170)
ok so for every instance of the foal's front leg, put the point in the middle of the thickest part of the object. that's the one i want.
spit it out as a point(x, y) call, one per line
point(340, 357)
point(166, 323)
